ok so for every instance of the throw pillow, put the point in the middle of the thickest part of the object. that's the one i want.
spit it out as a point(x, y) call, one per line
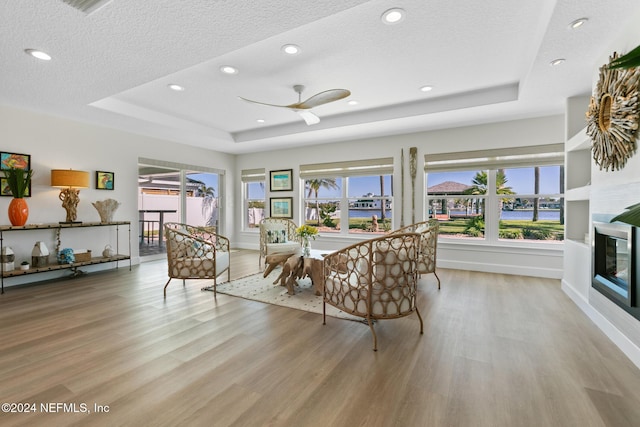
point(276, 236)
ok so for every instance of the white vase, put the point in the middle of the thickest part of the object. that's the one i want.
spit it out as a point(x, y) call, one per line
point(306, 247)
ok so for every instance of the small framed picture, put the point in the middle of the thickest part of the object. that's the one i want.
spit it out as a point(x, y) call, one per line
point(281, 207)
point(5, 191)
point(104, 180)
point(15, 160)
point(281, 180)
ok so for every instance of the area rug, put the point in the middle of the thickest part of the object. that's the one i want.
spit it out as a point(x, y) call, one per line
point(257, 288)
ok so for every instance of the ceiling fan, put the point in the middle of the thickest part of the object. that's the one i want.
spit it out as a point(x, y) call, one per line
point(303, 108)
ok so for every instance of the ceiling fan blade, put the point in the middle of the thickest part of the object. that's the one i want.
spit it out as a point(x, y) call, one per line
point(309, 117)
point(321, 98)
point(264, 103)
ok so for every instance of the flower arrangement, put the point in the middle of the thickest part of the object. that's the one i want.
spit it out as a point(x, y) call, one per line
point(307, 231)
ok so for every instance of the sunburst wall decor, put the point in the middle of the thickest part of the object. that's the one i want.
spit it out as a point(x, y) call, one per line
point(612, 117)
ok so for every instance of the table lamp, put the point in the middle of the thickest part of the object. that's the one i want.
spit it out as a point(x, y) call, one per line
point(70, 181)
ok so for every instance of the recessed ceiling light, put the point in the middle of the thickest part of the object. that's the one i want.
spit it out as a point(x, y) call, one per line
point(393, 16)
point(291, 49)
point(260, 120)
point(426, 88)
point(557, 62)
point(578, 23)
point(352, 102)
point(175, 87)
point(228, 69)
point(38, 54)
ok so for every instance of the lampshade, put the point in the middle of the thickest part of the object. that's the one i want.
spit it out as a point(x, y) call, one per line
point(69, 178)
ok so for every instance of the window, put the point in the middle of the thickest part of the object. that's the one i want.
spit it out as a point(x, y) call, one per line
point(253, 188)
point(498, 195)
point(357, 193)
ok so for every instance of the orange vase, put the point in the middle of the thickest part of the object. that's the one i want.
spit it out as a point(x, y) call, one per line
point(18, 212)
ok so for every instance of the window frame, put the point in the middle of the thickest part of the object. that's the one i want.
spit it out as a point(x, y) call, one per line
point(492, 161)
point(249, 176)
point(344, 171)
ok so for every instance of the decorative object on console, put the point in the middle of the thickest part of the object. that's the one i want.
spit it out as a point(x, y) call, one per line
point(108, 252)
point(24, 265)
point(19, 182)
point(104, 180)
point(106, 208)
point(7, 258)
point(66, 256)
point(40, 255)
point(82, 255)
point(70, 181)
point(613, 115)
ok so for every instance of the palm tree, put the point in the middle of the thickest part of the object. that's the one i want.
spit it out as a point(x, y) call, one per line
point(314, 185)
point(208, 195)
point(480, 184)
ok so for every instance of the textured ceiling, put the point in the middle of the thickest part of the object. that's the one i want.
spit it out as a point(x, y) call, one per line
point(488, 61)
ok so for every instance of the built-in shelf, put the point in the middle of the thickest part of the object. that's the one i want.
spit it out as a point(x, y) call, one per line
point(580, 141)
point(578, 193)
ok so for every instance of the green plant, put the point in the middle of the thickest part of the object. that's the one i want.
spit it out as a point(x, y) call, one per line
point(25, 263)
point(510, 234)
point(325, 216)
point(18, 181)
point(475, 227)
point(628, 60)
point(631, 216)
point(537, 234)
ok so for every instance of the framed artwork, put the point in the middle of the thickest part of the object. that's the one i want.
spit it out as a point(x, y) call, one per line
point(104, 180)
point(281, 207)
point(15, 160)
point(6, 191)
point(281, 180)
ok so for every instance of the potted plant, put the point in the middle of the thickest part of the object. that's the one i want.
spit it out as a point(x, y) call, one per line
point(18, 181)
point(629, 60)
point(24, 265)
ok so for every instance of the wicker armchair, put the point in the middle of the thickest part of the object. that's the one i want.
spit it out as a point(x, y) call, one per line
point(374, 279)
point(277, 235)
point(195, 253)
point(428, 231)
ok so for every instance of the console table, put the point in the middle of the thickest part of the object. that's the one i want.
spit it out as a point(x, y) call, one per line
point(58, 230)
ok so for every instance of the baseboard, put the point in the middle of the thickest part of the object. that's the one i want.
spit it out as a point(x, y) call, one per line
point(631, 350)
point(518, 270)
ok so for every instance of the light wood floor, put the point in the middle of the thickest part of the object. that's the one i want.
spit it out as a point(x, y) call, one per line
point(497, 350)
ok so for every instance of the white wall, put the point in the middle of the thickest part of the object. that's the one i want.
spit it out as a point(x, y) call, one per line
point(610, 193)
point(57, 143)
point(479, 257)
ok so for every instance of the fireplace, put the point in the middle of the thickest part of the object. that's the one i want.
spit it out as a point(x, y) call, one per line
point(615, 264)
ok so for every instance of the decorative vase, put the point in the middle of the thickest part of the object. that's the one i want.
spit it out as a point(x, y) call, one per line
point(106, 208)
point(108, 252)
point(18, 212)
point(306, 246)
